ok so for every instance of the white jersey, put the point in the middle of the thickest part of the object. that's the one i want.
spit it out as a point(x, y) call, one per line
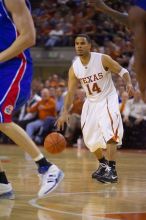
point(100, 119)
point(95, 80)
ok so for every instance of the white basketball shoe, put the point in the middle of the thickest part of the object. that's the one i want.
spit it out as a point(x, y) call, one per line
point(6, 191)
point(50, 180)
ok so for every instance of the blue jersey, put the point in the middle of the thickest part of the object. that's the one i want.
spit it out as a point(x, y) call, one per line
point(140, 3)
point(8, 31)
point(16, 73)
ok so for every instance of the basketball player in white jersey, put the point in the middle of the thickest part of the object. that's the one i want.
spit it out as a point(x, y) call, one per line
point(100, 120)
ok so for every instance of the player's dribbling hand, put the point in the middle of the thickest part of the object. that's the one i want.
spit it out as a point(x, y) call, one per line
point(130, 90)
point(41, 107)
point(64, 118)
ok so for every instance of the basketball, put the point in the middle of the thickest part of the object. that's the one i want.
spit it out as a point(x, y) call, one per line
point(54, 143)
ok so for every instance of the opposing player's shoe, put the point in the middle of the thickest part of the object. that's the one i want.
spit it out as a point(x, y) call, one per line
point(100, 171)
point(110, 176)
point(6, 191)
point(50, 180)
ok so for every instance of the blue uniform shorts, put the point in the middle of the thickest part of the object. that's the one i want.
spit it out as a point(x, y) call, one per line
point(15, 81)
point(141, 4)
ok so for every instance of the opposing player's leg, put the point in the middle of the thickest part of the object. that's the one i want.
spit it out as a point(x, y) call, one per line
point(15, 92)
point(138, 26)
point(51, 175)
point(6, 191)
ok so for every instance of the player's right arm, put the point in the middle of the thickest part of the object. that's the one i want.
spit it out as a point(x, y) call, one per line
point(116, 68)
point(100, 5)
point(24, 26)
point(69, 98)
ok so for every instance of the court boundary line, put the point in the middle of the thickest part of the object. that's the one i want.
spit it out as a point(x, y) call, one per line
point(33, 202)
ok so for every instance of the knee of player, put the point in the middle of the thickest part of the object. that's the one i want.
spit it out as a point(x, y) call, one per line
point(140, 15)
point(112, 141)
point(143, 96)
point(94, 146)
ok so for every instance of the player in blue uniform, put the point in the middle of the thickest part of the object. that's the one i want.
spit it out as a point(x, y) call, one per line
point(17, 34)
point(140, 3)
point(136, 20)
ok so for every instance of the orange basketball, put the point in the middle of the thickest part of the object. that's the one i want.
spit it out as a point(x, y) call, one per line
point(54, 143)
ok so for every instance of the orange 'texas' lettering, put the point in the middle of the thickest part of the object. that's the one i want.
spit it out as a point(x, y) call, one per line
point(91, 78)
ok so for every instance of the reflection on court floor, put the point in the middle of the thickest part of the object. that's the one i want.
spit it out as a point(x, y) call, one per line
point(78, 197)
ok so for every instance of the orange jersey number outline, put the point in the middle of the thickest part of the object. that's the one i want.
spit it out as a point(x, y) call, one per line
point(95, 88)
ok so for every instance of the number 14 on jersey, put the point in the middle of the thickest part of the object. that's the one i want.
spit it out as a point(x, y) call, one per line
point(93, 88)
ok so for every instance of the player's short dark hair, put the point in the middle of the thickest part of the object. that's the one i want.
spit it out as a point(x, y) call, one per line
point(85, 36)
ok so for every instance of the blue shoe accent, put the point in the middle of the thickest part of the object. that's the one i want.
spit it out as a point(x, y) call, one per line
point(50, 180)
point(58, 180)
point(8, 195)
point(43, 170)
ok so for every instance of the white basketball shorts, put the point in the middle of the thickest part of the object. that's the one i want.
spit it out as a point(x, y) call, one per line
point(101, 121)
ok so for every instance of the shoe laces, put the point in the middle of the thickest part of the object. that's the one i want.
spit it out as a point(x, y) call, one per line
point(107, 171)
point(101, 166)
point(49, 177)
point(107, 168)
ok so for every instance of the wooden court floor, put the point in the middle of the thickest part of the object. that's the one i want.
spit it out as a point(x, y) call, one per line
point(78, 197)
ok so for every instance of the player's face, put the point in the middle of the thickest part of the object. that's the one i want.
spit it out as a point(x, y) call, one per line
point(82, 46)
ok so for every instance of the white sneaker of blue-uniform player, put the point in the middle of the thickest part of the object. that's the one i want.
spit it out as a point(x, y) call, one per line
point(50, 180)
point(6, 191)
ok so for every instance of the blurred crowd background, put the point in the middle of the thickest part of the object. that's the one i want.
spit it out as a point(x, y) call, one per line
point(57, 23)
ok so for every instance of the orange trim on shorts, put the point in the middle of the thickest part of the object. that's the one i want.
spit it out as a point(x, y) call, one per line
point(83, 126)
point(85, 120)
point(115, 137)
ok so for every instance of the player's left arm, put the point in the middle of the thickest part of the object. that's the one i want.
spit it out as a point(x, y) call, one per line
point(25, 28)
point(69, 98)
point(114, 67)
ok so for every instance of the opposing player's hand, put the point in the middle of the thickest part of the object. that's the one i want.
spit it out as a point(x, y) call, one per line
point(64, 118)
point(130, 89)
point(98, 4)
